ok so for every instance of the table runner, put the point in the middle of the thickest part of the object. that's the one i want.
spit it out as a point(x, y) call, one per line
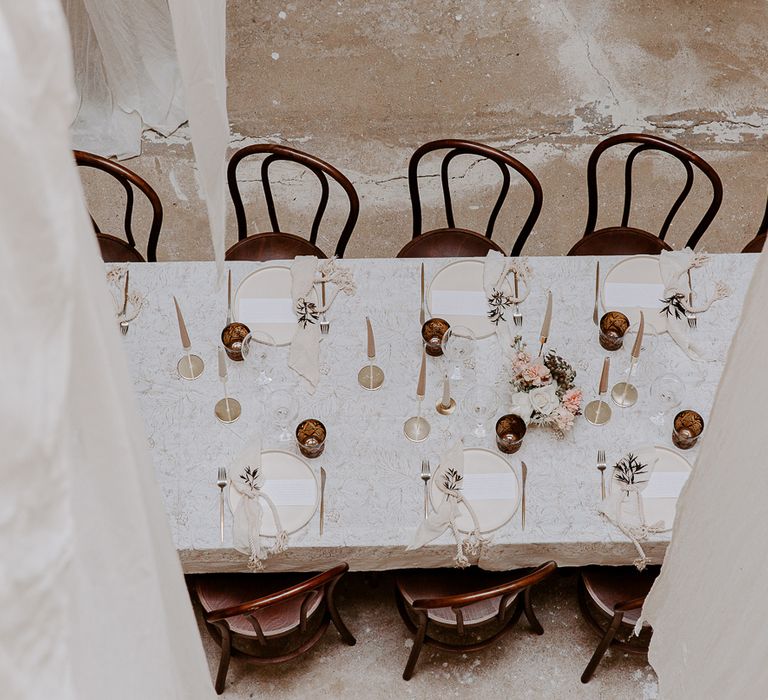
point(374, 496)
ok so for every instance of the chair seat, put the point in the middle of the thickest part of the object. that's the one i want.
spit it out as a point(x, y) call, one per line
point(756, 244)
point(117, 250)
point(219, 591)
point(608, 586)
point(272, 246)
point(619, 240)
point(421, 584)
point(449, 243)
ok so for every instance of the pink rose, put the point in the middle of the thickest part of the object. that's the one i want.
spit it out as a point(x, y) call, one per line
point(563, 419)
point(572, 400)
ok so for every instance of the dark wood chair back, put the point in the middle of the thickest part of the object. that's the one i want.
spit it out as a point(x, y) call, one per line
point(757, 243)
point(285, 242)
point(113, 248)
point(313, 597)
point(457, 147)
point(424, 597)
point(636, 240)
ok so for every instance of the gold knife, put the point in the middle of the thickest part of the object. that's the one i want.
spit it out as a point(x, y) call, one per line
point(322, 498)
point(596, 312)
point(422, 315)
point(524, 471)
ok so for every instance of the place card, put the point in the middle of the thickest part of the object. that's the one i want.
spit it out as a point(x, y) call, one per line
point(291, 492)
point(639, 295)
point(255, 311)
point(665, 484)
point(489, 487)
point(458, 303)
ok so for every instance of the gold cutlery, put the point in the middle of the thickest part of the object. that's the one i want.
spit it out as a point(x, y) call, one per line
point(517, 317)
point(325, 327)
point(601, 467)
point(221, 482)
point(190, 366)
point(422, 312)
point(417, 428)
point(524, 473)
point(123, 322)
point(689, 314)
point(229, 297)
point(598, 412)
point(322, 499)
point(546, 323)
point(426, 475)
point(596, 312)
point(227, 410)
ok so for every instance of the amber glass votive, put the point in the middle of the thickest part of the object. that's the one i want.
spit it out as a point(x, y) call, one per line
point(232, 340)
point(510, 431)
point(310, 434)
point(432, 332)
point(613, 326)
point(687, 429)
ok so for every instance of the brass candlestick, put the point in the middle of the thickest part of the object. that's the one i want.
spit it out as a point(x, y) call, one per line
point(370, 377)
point(624, 394)
point(227, 410)
point(598, 412)
point(446, 405)
point(417, 428)
point(190, 366)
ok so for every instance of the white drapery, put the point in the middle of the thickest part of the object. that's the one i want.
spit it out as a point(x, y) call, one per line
point(708, 606)
point(94, 603)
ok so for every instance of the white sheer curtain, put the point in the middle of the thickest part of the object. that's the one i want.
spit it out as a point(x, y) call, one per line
point(94, 603)
point(709, 605)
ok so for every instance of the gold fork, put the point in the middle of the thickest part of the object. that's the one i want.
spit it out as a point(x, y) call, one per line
point(601, 467)
point(221, 482)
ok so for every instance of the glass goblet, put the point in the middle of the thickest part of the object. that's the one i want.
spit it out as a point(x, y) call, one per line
point(283, 407)
point(480, 403)
point(666, 393)
point(255, 353)
point(458, 346)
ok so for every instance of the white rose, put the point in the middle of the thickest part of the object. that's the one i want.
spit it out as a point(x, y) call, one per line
point(521, 406)
point(544, 399)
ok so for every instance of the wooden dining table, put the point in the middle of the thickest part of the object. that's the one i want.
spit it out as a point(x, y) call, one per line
point(374, 494)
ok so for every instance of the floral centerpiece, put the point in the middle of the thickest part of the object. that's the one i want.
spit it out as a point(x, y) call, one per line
point(544, 392)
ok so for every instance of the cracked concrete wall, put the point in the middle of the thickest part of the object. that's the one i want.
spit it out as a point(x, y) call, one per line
point(363, 84)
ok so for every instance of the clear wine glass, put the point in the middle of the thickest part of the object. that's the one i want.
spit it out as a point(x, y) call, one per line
point(458, 346)
point(480, 402)
point(255, 353)
point(667, 394)
point(283, 407)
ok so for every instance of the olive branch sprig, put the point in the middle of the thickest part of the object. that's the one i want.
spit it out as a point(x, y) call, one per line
point(626, 469)
point(306, 311)
point(498, 301)
point(251, 477)
point(452, 480)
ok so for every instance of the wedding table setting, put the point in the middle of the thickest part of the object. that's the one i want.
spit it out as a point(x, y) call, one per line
point(397, 413)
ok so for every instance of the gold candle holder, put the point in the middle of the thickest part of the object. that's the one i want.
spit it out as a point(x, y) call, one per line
point(432, 332)
point(371, 376)
point(232, 339)
point(310, 436)
point(510, 431)
point(687, 429)
point(598, 412)
point(613, 326)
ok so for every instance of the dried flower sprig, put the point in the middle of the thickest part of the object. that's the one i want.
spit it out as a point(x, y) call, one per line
point(251, 478)
point(628, 468)
point(498, 301)
point(306, 311)
point(673, 305)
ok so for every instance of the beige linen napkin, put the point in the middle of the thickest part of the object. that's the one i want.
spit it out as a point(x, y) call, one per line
point(448, 481)
point(304, 356)
point(246, 530)
point(674, 266)
point(624, 506)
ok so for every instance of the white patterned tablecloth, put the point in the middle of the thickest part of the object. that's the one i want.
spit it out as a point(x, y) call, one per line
point(374, 495)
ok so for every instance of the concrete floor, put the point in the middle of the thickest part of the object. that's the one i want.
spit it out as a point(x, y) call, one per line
point(520, 665)
point(362, 84)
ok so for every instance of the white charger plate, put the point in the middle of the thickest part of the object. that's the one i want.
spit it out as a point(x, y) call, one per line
point(669, 460)
point(464, 276)
point(644, 271)
point(278, 465)
point(272, 284)
point(491, 513)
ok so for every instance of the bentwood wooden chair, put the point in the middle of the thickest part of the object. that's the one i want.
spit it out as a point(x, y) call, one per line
point(276, 244)
point(114, 249)
point(269, 618)
point(611, 599)
point(623, 239)
point(457, 242)
point(756, 244)
point(461, 611)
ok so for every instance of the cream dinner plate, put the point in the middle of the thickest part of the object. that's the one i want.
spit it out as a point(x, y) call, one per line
point(633, 285)
point(490, 485)
point(263, 302)
point(291, 484)
point(456, 294)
